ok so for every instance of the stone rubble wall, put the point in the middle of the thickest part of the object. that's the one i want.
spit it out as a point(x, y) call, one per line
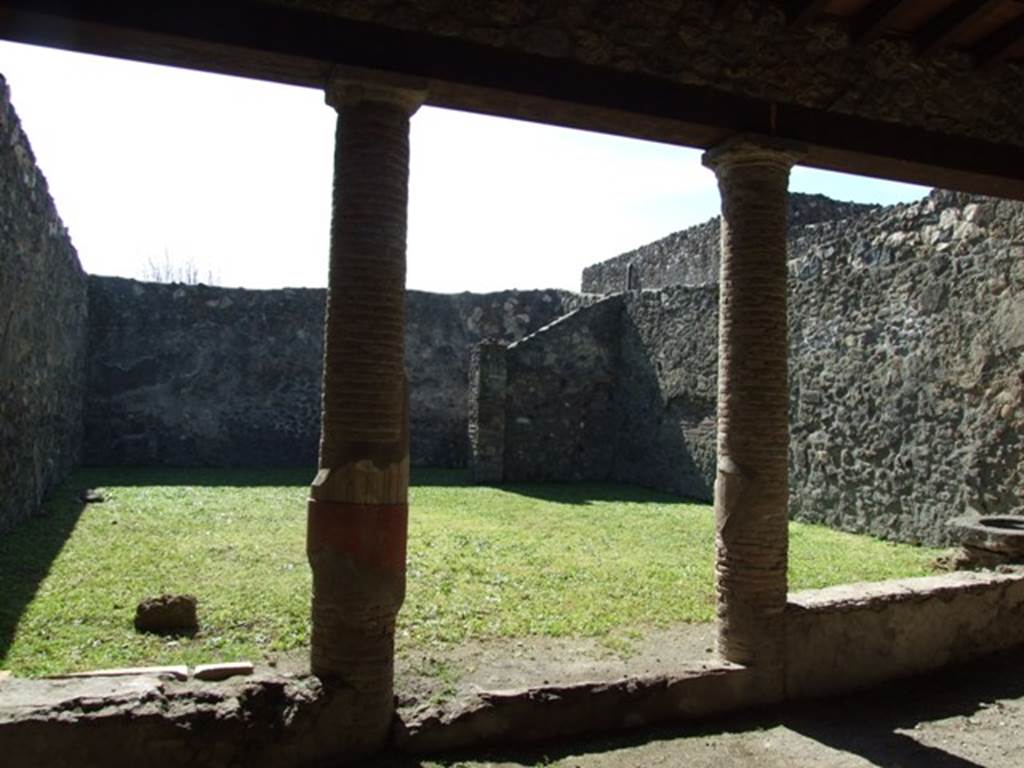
point(691, 256)
point(906, 373)
point(558, 398)
point(43, 313)
point(488, 374)
point(665, 400)
point(196, 375)
point(620, 390)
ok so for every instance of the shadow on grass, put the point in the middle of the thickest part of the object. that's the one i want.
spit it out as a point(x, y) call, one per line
point(868, 725)
point(587, 493)
point(27, 552)
point(238, 477)
point(205, 477)
point(423, 477)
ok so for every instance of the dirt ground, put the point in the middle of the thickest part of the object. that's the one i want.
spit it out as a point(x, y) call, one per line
point(964, 718)
point(427, 678)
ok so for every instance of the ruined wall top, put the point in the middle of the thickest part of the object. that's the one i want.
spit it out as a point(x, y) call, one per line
point(690, 256)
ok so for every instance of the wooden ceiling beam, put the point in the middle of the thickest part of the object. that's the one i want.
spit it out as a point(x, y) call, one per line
point(997, 46)
point(803, 11)
point(943, 29)
point(873, 21)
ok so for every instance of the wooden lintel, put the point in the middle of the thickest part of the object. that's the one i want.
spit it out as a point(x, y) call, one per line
point(943, 29)
point(301, 47)
point(999, 44)
point(873, 21)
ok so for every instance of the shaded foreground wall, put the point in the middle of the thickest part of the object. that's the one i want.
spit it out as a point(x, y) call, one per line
point(42, 331)
point(559, 419)
point(906, 373)
point(621, 390)
point(196, 375)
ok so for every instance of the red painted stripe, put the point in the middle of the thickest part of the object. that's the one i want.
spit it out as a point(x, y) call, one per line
point(372, 534)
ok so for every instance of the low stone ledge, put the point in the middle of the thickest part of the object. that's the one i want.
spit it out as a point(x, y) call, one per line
point(492, 718)
point(147, 720)
point(838, 639)
point(173, 672)
point(853, 636)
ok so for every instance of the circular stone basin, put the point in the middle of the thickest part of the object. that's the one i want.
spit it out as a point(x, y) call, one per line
point(1002, 534)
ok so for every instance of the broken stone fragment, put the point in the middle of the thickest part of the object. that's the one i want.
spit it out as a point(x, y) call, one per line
point(167, 615)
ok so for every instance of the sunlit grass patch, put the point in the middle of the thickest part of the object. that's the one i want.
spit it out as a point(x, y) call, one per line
point(552, 560)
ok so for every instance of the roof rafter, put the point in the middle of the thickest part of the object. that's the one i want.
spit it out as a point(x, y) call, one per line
point(725, 8)
point(942, 29)
point(871, 23)
point(998, 45)
point(802, 11)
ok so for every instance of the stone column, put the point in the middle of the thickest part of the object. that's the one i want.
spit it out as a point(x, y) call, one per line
point(487, 381)
point(358, 513)
point(751, 488)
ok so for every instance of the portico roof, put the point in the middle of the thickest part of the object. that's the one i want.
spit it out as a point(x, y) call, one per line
point(927, 91)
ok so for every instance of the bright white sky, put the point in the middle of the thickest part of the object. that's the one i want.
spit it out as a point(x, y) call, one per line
point(234, 176)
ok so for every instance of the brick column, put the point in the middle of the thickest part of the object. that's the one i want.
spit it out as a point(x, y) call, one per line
point(751, 488)
point(357, 515)
point(487, 380)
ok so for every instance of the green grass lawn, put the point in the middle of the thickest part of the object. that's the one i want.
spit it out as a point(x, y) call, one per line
point(584, 560)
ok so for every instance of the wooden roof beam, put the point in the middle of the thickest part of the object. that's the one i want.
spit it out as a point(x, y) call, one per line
point(997, 46)
point(943, 29)
point(871, 23)
point(803, 11)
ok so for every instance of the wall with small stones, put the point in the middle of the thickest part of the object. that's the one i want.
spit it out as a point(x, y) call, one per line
point(42, 331)
point(620, 390)
point(197, 375)
point(691, 256)
point(906, 372)
point(559, 403)
point(488, 374)
point(665, 398)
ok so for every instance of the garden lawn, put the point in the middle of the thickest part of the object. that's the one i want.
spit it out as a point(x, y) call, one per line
point(591, 560)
